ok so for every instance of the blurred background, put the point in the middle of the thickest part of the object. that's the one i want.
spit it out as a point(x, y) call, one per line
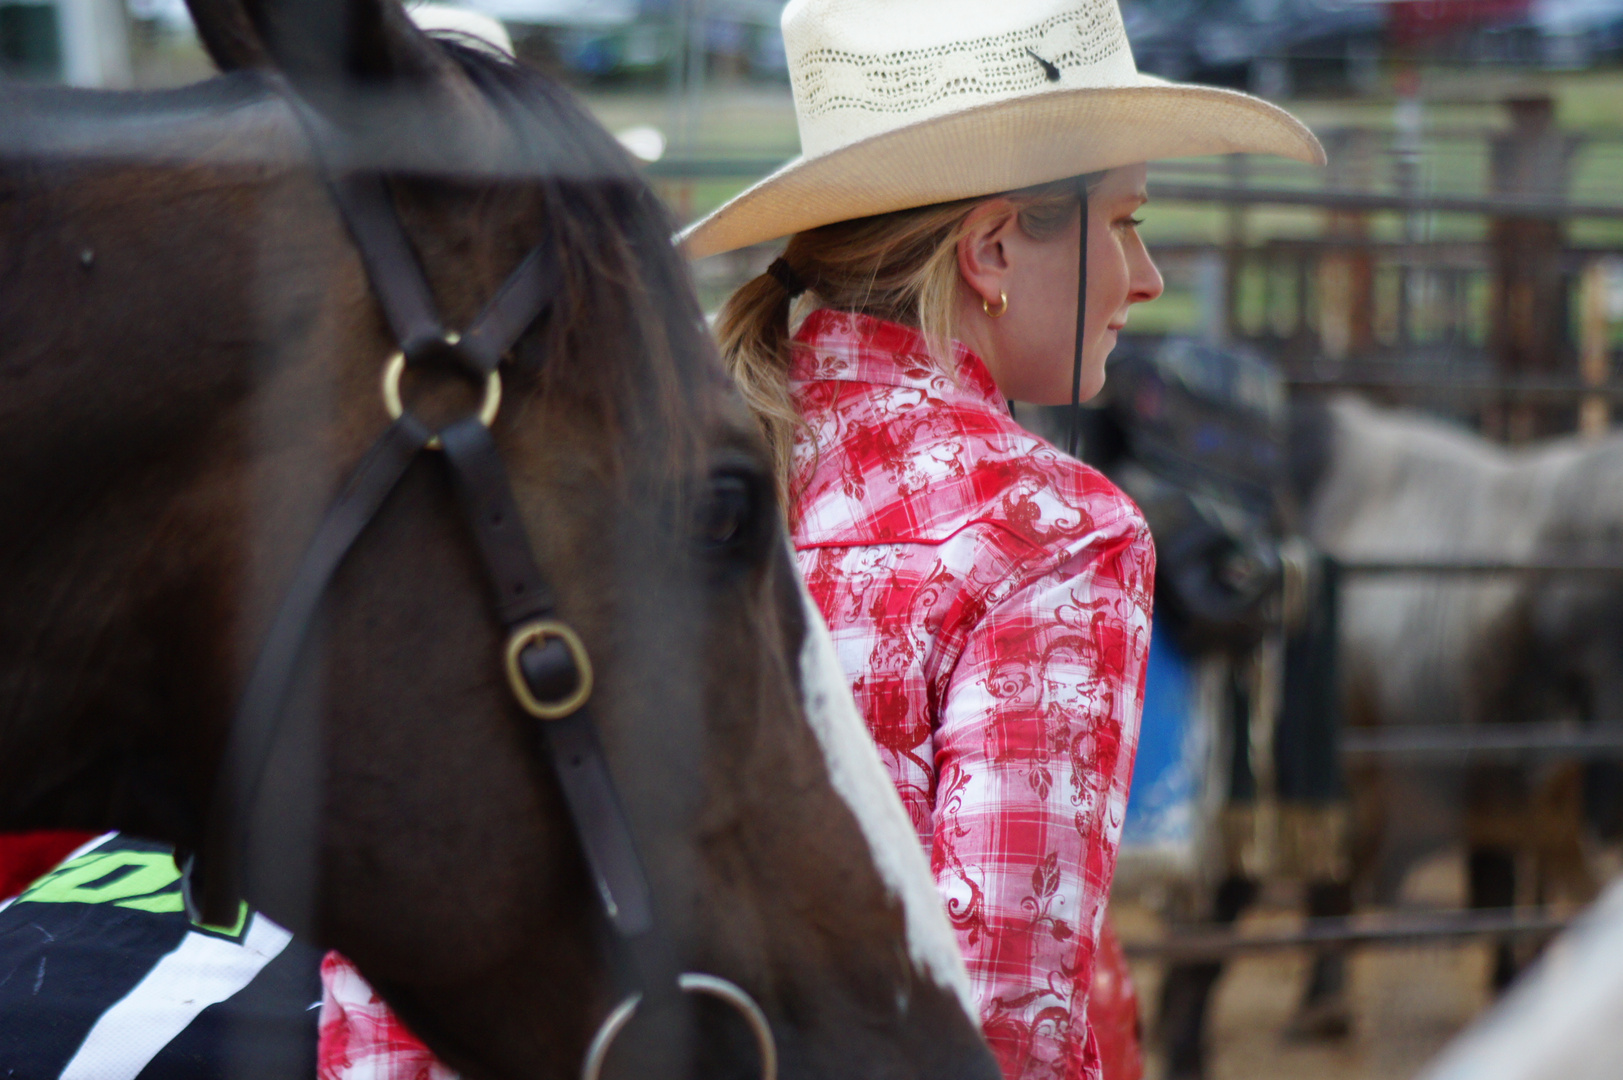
point(1462, 257)
point(1429, 109)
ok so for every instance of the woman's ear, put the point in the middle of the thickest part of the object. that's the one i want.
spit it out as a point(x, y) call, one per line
point(983, 259)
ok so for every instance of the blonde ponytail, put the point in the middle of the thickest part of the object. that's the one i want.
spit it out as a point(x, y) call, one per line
point(753, 331)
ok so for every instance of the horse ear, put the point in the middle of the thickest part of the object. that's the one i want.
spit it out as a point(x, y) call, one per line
point(330, 42)
point(229, 38)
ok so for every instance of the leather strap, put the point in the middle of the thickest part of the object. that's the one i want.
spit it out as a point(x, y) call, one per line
point(368, 213)
point(396, 275)
point(480, 480)
point(402, 290)
point(528, 290)
point(1073, 427)
point(253, 728)
point(391, 263)
point(571, 743)
point(547, 665)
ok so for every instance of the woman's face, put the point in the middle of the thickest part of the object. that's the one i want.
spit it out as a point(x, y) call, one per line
point(1029, 348)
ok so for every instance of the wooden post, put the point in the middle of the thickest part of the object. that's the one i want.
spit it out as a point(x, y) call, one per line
point(1234, 249)
point(1408, 119)
point(95, 43)
point(1602, 305)
point(1346, 271)
point(1528, 337)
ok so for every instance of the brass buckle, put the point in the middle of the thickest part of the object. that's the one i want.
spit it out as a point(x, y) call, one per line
point(396, 366)
point(541, 630)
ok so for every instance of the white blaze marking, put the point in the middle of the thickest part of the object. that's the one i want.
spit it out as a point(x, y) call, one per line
point(860, 779)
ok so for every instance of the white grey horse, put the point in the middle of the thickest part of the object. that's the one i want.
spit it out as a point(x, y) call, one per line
point(1392, 485)
point(1385, 485)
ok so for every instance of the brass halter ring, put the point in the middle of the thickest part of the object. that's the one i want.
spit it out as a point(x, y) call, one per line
point(692, 983)
point(536, 632)
point(396, 367)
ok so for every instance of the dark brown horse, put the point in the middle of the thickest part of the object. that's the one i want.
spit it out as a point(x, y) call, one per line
point(189, 363)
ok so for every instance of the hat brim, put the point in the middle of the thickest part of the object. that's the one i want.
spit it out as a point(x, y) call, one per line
point(1002, 146)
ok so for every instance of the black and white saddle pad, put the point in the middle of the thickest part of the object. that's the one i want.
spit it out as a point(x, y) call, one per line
point(103, 977)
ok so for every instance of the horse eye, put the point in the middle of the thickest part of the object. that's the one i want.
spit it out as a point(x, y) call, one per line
point(726, 520)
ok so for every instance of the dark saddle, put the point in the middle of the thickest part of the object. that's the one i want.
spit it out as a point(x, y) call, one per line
point(1197, 435)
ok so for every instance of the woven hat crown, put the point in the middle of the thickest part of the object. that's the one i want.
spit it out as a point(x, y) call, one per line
point(860, 68)
point(904, 103)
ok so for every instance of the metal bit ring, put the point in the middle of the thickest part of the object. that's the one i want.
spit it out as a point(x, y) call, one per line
point(692, 983)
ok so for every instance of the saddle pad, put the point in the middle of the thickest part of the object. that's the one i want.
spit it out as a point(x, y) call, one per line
point(103, 977)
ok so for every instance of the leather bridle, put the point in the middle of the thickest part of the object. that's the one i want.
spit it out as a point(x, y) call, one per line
point(548, 668)
point(1073, 419)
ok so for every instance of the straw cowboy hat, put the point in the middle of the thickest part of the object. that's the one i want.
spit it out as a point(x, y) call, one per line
point(471, 27)
point(904, 103)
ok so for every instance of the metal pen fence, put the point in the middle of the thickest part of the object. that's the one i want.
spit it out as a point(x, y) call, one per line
point(1431, 333)
point(1488, 357)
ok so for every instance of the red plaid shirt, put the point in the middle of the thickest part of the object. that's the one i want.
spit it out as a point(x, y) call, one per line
point(990, 599)
point(361, 1037)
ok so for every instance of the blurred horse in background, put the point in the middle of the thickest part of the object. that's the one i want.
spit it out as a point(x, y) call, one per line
point(190, 356)
point(1389, 486)
point(1201, 436)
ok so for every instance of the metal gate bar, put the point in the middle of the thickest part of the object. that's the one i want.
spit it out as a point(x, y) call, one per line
point(1553, 391)
point(1492, 205)
point(1217, 943)
point(1483, 740)
point(1468, 567)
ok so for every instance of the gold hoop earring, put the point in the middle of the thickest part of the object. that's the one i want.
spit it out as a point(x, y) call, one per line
point(1003, 305)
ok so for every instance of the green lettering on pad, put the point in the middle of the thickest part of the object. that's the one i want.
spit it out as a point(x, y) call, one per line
point(138, 880)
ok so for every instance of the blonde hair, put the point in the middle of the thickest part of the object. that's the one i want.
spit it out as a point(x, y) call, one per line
point(902, 267)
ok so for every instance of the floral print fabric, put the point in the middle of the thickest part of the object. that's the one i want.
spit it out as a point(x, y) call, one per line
point(361, 1037)
point(990, 600)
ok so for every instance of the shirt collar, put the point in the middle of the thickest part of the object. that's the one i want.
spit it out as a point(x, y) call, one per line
point(842, 346)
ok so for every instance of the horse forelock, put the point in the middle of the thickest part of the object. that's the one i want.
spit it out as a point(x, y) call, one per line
point(613, 237)
point(859, 778)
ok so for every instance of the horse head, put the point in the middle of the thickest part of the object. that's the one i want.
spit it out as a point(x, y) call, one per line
point(192, 353)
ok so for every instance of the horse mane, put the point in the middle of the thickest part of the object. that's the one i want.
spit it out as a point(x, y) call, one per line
point(614, 238)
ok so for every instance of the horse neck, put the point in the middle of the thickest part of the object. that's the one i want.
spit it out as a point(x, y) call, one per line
point(131, 333)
